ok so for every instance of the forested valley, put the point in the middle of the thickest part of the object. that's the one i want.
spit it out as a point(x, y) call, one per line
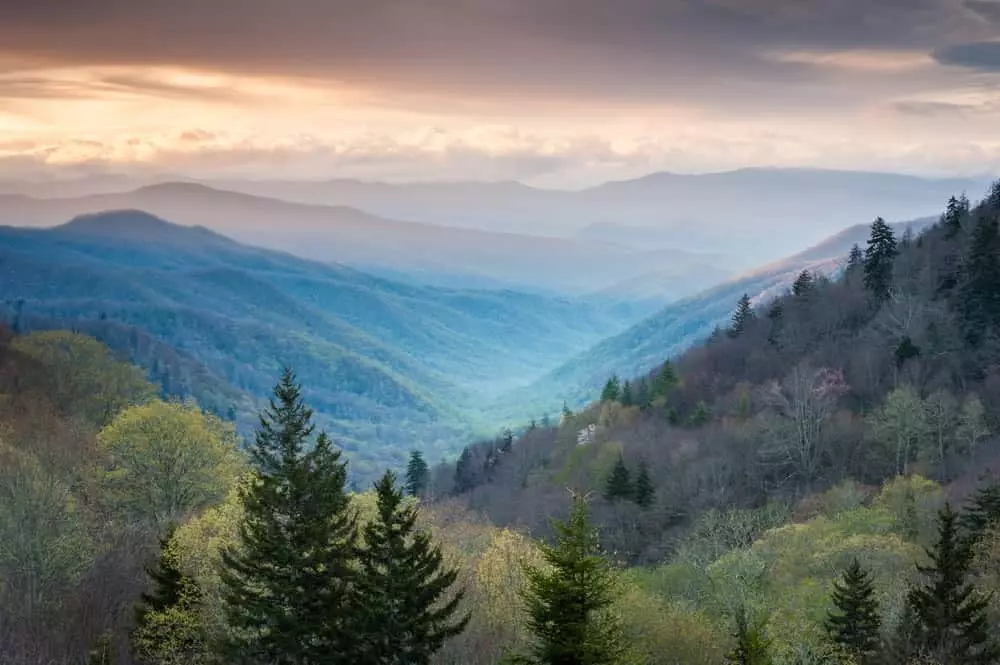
point(815, 483)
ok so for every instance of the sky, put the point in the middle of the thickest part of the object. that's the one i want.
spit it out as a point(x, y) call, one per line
point(557, 93)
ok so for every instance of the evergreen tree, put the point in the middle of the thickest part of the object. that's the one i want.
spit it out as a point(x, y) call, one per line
point(952, 621)
point(701, 414)
point(665, 382)
point(566, 411)
point(506, 440)
point(880, 258)
point(776, 315)
point(288, 585)
point(856, 257)
point(418, 474)
point(956, 212)
point(982, 511)
point(644, 494)
point(752, 645)
point(643, 396)
point(167, 583)
point(855, 624)
point(568, 601)
point(619, 483)
point(803, 284)
point(626, 397)
point(465, 474)
point(979, 296)
point(742, 316)
point(406, 614)
point(612, 389)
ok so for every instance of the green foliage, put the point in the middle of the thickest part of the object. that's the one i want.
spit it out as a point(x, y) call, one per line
point(626, 397)
point(619, 483)
point(418, 474)
point(752, 645)
point(901, 426)
point(982, 511)
point(979, 296)
point(405, 616)
point(612, 390)
point(880, 259)
point(82, 377)
point(569, 601)
point(167, 459)
point(953, 625)
point(855, 623)
point(288, 582)
point(103, 651)
point(644, 492)
point(742, 317)
point(665, 382)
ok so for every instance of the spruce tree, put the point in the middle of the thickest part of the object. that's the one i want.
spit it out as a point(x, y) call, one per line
point(952, 621)
point(803, 284)
point(880, 259)
point(955, 213)
point(741, 317)
point(982, 511)
point(568, 600)
point(465, 473)
point(566, 411)
point(167, 583)
point(417, 474)
point(665, 382)
point(644, 494)
point(856, 257)
point(288, 585)
point(979, 295)
point(619, 483)
point(855, 623)
point(627, 399)
point(643, 395)
point(752, 645)
point(407, 612)
point(612, 389)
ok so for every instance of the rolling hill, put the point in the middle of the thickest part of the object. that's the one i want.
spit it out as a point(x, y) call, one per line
point(389, 366)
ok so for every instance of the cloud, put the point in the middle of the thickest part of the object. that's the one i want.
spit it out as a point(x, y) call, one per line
point(982, 56)
point(986, 9)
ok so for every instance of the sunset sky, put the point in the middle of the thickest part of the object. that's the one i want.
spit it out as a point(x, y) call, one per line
point(551, 92)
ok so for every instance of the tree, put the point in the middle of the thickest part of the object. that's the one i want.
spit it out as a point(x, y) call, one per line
point(612, 389)
point(955, 214)
point(901, 424)
point(627, 398)
point(619, 484)
point(167, 459)
point(643, 397)
point(979, 295)
point(880, 258)
point(566, 412)
point(405, 616)
point(103, 651)
point(982, 511)
point(644, 494)
point(167, 581)
point(742, 316)
point(953, 626)
point(972, 427)
point(568, 600)
point(665, 382)
point(465, 473)
point(752, 645)
point(855, 258)
point(287, 586)
point(417, 474)
point(855, 624)
point(803, 284)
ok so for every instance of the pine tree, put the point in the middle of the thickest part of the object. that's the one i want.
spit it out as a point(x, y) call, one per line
point(418, 474)
point(568, 600)
point(982, 511)
point(643, 396)
point(566, 411)
point(665, 382)
point(952, 621)
point(288, 585)
point(644, 494)
point(776, 315)
point(958, 209)
point(742, 316)
point(701, 414)
point(803, 284)
point(880, 259)
point(619, 483)
point(465, 474)
point(612, 389)
point(855, 258)
point(407, 613)
point(752, 645)
point(626, 397)
point(979, 296)
point(855, 624)
point(167, 581)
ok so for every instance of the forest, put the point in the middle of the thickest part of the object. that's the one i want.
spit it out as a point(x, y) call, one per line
point(815, 483)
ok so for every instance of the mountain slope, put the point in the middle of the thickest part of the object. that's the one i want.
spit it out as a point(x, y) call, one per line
point(374, 353)
point(431, 253)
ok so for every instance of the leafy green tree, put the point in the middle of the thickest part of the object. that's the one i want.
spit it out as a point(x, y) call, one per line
point(803, 284)
point(288, 584)
point(972, 426)
point(855, 624)
point(569, 599)
point(405, 614)
point(979, 295)
point(742, 317)
point(953, 626)
point(417, 474)
point(619, 483)
point(752, 645)
point(612, 389)
point(880, 257)
point(644, 494)
point(166, 460)
point(901, 425)
point(626, 398)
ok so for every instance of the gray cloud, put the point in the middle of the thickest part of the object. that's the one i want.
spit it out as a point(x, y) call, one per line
point(983, 56)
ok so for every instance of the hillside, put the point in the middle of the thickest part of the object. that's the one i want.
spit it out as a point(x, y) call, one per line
point(375, 353)
point(427, 252)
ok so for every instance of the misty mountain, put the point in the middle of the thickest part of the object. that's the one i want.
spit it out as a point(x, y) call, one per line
point(681, 324)
point(389, 366)
point(431, 253)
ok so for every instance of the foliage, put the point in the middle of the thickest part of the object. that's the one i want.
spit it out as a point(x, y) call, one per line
point(644, 493)
point(856, 622)
point(417, 474)
point(619, 483)
point(752, 645)
point(742, 317)
point(879, 260)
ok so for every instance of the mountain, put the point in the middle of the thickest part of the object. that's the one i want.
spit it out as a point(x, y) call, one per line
point(688, 321)
point(434, 254)
point(389, 366)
